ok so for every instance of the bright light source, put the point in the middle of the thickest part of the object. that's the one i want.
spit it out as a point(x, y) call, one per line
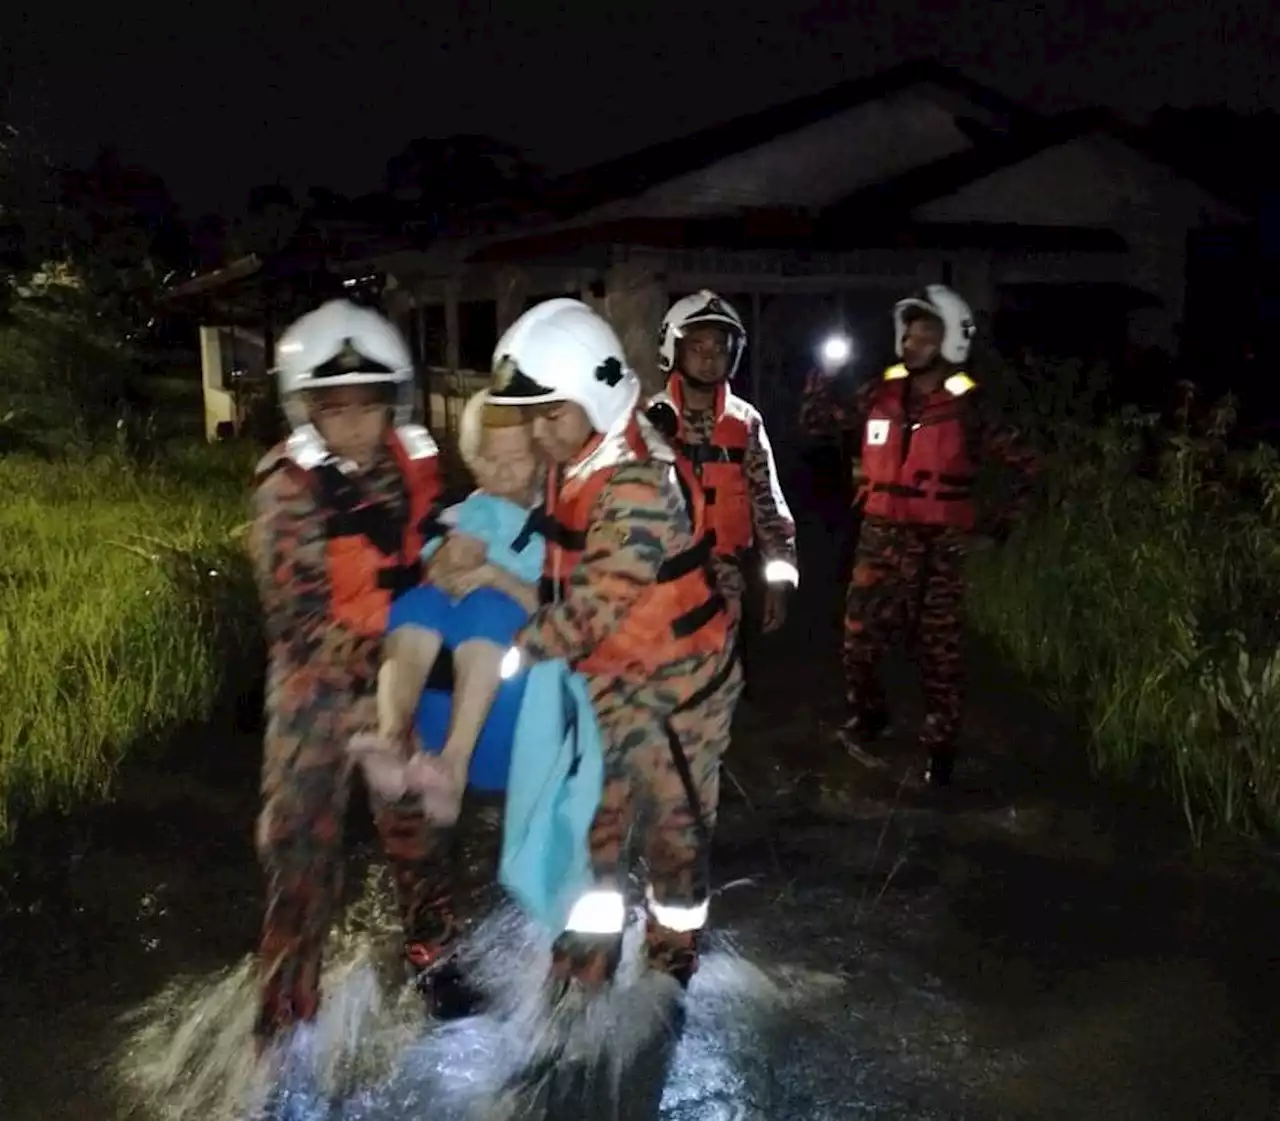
point(836, 350)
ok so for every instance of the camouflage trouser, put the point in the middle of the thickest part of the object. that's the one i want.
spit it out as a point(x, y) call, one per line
point(305, 789)
point(643, 789)
point(744, 593)
point(907, 580)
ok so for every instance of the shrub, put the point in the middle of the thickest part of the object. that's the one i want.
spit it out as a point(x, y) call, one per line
point(126, 609)
point(1144, 594)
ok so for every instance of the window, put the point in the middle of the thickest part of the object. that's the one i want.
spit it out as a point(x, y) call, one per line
point(477, 333)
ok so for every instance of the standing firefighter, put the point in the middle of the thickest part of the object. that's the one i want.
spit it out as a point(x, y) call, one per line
point(923, 439)
point(631, 602)
point(340, 510)
point(721, 439)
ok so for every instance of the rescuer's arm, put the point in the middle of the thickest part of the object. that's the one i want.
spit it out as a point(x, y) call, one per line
point(288, 547)
point(823, 413)
point(634, 520)
point(775, 528)
point(994, 440)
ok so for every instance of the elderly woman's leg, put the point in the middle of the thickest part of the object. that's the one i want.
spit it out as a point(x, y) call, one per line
point(408, 655)
point(485, 622)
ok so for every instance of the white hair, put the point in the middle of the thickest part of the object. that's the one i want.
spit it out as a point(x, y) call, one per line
point(471, 428)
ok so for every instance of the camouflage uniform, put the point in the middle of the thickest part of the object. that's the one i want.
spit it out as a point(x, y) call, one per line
point(639, 520)
point(321, 690)
point(908, 579)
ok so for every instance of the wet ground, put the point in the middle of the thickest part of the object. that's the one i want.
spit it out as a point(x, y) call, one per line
point(1032, 948)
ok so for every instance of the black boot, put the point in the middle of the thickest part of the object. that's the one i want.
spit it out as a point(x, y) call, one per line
point(941, 765)
point(861, 731)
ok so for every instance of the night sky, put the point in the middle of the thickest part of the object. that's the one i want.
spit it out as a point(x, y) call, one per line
point(219, 96)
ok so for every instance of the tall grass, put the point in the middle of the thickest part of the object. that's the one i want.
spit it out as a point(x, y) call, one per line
point(1144, 595)
point(126, 608)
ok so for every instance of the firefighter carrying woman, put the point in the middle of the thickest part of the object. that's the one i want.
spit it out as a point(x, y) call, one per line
point(628, 599)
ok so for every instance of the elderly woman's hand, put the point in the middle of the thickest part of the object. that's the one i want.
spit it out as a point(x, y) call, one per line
point(458, 553)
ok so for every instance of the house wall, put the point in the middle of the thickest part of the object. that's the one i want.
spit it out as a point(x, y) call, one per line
point(1101, 183)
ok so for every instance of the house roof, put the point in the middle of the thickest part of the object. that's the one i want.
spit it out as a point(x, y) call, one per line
point(878, 216)
point(895, 198)
point(628, 175)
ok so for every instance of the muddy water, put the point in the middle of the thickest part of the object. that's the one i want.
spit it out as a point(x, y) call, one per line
point(1029, 949)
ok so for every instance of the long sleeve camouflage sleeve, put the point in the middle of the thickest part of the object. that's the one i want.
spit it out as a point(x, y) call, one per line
point(288, 548)
point(822, 413)
point(637, 522)
point(775, 528)
point(994, 440)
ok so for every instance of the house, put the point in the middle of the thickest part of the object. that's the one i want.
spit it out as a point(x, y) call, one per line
point(1067, 233)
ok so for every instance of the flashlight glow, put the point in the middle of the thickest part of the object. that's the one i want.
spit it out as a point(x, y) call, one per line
point(836, 349)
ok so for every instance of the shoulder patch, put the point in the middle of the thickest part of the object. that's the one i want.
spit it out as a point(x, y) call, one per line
point(959, 384)
point(739, 409)
point(418, 443)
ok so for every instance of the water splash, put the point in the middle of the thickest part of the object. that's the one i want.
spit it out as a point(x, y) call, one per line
point(189, 1051)
point(370, 1055)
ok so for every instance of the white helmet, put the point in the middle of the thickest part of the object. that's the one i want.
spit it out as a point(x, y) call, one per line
point(340, 343)
point(702, 309)
point(957, 320)
point(561, 350)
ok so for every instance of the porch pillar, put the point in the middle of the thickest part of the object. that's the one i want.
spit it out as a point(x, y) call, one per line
point(452, 330)
point(510, 291)
point(635, 302)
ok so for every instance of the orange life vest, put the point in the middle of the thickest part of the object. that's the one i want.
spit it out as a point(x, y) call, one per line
point(918, 468)
point(681, 614)
point(719, 466)
point(373, 552)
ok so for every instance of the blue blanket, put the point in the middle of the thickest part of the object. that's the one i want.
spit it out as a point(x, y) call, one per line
point(553, 791)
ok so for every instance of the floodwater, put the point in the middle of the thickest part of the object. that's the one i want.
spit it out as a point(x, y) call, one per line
point(1031, 948)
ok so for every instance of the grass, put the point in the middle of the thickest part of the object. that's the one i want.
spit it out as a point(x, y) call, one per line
point(1145, 597)
point(126, 608)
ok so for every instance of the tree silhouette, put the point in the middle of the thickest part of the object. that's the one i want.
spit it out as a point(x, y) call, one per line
point(439, 180)
point(270, 220)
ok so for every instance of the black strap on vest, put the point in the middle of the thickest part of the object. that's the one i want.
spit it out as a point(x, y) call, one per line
point(701, 454)
point(538, 521)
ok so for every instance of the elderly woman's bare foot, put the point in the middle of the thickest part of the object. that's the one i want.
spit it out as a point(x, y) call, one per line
point(383, 764)
point(435, 779)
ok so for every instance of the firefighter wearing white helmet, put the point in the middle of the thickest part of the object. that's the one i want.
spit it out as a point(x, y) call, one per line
point(723, 441)
point(923, 439)
point(630, 601)
point(340, 512)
